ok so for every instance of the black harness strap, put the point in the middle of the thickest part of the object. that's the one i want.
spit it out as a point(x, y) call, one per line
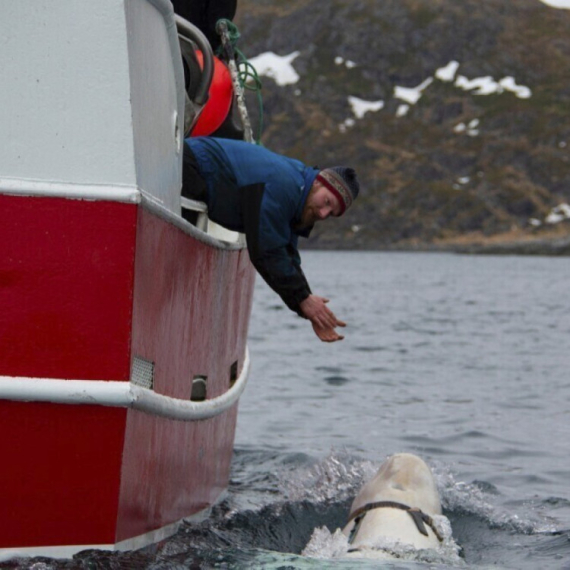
point(418, 516)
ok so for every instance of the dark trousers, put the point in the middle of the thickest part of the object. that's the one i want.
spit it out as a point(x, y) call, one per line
point(194, 186)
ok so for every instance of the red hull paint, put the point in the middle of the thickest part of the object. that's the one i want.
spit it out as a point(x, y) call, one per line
point(84, 287)
point(60, 467)
point(66, 275)
point(191, 311)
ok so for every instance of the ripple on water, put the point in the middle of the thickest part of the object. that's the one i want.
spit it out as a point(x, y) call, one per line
point(329, 369)
point(370, 348)
point(336, 380)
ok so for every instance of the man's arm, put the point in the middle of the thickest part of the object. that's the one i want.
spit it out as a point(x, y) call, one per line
point(296, 294)
point(314, 308)
point(281, 269)
point(279, 272)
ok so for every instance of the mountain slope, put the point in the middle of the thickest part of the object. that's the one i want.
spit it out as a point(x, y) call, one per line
point(438, 162)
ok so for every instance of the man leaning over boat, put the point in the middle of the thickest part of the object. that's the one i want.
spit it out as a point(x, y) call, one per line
point(273, 200)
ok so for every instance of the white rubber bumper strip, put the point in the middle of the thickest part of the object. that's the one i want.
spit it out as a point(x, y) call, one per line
point(120, 394)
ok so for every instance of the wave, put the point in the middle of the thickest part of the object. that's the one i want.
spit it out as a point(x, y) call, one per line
point(284, 510)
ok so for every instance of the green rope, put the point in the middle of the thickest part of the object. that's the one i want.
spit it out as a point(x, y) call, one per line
point(233, 34)
point(247, 74)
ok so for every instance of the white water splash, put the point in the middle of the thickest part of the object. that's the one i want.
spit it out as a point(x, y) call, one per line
point(462, 496)
point(323, 544)
point(326, 545)
point(337, 477)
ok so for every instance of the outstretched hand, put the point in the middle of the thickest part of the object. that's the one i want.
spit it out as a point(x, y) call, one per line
point(327, 334)
point(322, 318)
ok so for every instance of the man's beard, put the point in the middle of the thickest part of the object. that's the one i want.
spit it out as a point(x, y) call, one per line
point(308, 218)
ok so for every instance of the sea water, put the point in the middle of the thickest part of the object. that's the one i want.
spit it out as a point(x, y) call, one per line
point(463, 360)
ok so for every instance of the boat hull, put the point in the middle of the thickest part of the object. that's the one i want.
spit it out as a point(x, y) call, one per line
point(92, 287)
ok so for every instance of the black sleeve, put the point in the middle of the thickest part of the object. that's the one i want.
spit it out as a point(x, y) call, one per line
point(280, 267)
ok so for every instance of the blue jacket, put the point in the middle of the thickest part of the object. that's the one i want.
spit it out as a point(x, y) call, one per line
point(262, 194)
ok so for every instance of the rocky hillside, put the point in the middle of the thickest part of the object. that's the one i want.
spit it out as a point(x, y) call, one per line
point(455, 113)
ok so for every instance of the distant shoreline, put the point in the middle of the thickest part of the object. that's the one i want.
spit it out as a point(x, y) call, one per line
point(554, 246)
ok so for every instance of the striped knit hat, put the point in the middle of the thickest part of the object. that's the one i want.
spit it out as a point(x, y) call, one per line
point(342, 182)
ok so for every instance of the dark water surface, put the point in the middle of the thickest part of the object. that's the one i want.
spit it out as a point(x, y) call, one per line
point(462, 360)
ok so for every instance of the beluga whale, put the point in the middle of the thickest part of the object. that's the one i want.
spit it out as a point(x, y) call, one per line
point(396, 514)
point(397, 507)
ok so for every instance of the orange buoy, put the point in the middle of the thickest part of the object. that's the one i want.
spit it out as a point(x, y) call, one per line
point(219, 101)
